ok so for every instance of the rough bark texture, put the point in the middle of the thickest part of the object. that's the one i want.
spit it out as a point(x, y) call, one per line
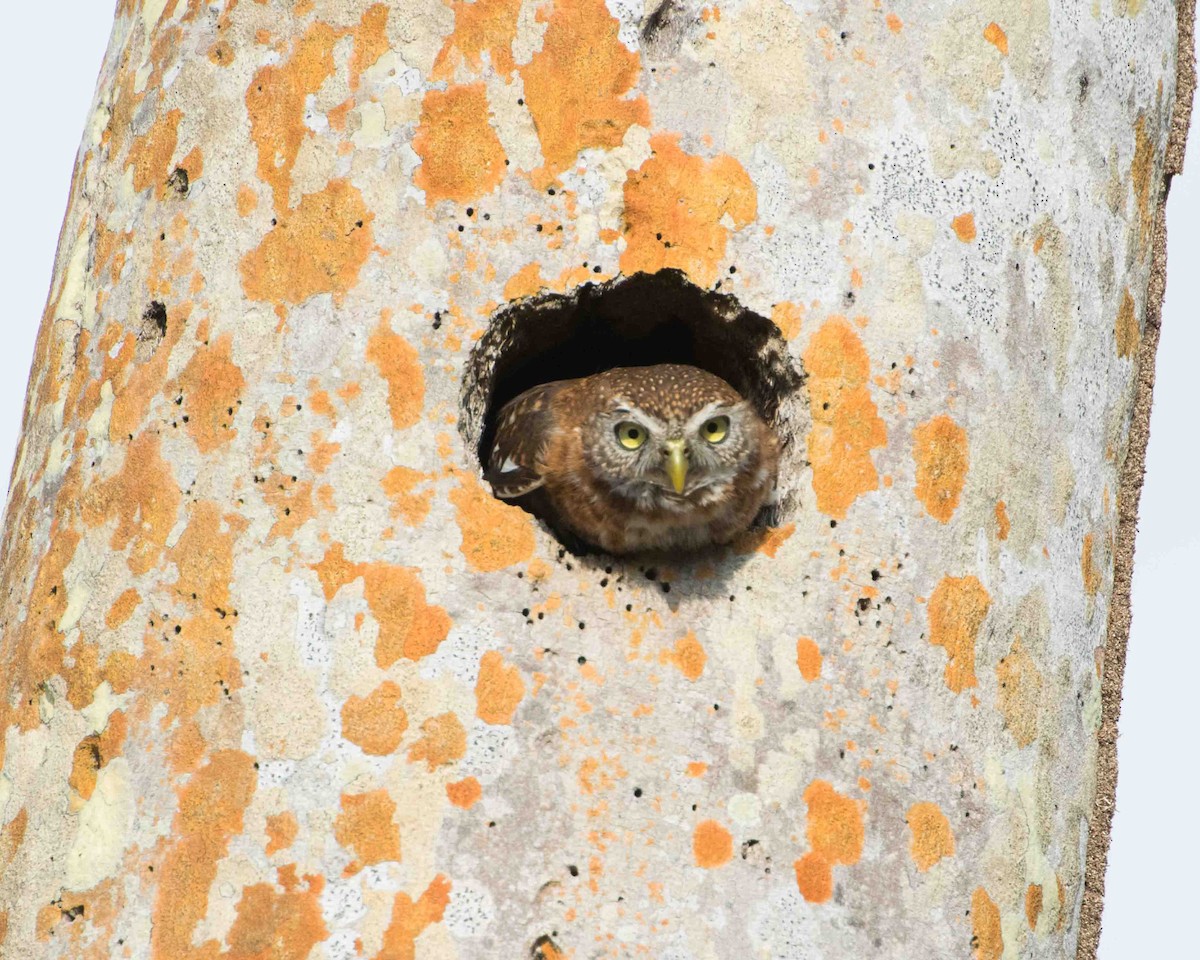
point(281, 679)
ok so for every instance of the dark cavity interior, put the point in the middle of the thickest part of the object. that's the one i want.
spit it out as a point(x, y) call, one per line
point(630, 322)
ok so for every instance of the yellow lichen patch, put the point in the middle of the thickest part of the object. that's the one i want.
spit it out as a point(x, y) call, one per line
point(1087, 564)
point(689, 657)
point(400, 485)
point(461, 155)
point(211, 809)
point(941, 455)
point(376, 722)
point(931, 838)
point(846, 425)
point(835, 834)
point(994, 34)
point(409, 920)
point(576, 85)
point(211, 386)
point(956, 612)
point(408, 626)
point(1003, 524)
point(275, 101)
point(319, 247)
point(498, 691)
point(495, 535)
point(142, 498)
point(808, 658)
point(150, 155)
point(987, 940)
point(365, 826)
point(964, 227)
point(1033, 904)
point(443, 742)
point(278, 925)
point(712, 845)
point(680, 209)
point(282, 829)
point(1020, 693)
point(464, 794)
point(788, 317)
point(1129, 334)
point(525, 282)
point(480, 27)
point(397, 362)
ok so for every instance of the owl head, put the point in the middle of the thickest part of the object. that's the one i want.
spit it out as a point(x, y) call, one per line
point(669, 435)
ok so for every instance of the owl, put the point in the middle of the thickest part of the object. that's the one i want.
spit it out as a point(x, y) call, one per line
point(659, 458)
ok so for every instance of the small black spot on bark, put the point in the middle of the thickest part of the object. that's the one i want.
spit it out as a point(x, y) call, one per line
point(179, 182)
point(156, 314)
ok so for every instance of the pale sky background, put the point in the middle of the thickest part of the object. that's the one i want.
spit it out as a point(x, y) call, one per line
point(1152, 887)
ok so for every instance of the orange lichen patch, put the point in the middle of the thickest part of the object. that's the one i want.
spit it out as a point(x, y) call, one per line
point(957, 610)
point(525, 282)
point(464, 794)
point(788, 317)
point(143, 381)
point(495, 534)
point(150, 155)
point(461, 156)
point(1087, 564)
point(1141, 176)
point(397, 362)
point(481, 26)
point(12, 835)
point(808, 658)
point(408, 626)
point(931, 838)
point(941, 455)
point(211, 385)
point(964, 227)
point(1033, 905)
point(576, 85)
point(676, 209)
point(370, 42)
point(122, 609)
point(204, 556)
point(400, 485)
point(444, 741)
point(85, 763)
point(994, 34)
point(894, 23)
point(282, 829)
point(846, 424)
point(766, 540)
point(275, 101)
point(697, 769)
point(210, 814)
point(142, 498)
point(498, 691)
point(1020, 693)
point(410, 920)
point(712, 845)
point(274, 925)
point(319, 247)
point(365, 826)
point(987, 941)
point(1129, 334)
point(376, 722)
point(1003, 524)
point(193, 165)
point(835, 833)
point(689, 657)
point(247, 200)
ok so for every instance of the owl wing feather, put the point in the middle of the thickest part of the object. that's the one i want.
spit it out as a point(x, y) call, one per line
point(522, 431)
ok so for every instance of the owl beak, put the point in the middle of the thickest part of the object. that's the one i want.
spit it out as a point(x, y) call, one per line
point(677, 466)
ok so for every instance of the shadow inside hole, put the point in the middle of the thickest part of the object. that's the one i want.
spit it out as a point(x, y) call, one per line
point(644, 319)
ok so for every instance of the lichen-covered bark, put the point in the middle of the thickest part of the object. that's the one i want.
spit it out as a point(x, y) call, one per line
point(281, 679)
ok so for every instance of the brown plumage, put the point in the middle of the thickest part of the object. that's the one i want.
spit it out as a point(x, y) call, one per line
point(668, 457)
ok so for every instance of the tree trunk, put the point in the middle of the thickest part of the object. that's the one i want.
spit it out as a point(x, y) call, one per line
point(281, 678)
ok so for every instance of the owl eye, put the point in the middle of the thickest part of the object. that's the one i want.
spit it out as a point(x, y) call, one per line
point(631, 435)
point(715, 430)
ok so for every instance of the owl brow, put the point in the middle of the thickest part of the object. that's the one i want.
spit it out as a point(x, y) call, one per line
point(708, 410)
